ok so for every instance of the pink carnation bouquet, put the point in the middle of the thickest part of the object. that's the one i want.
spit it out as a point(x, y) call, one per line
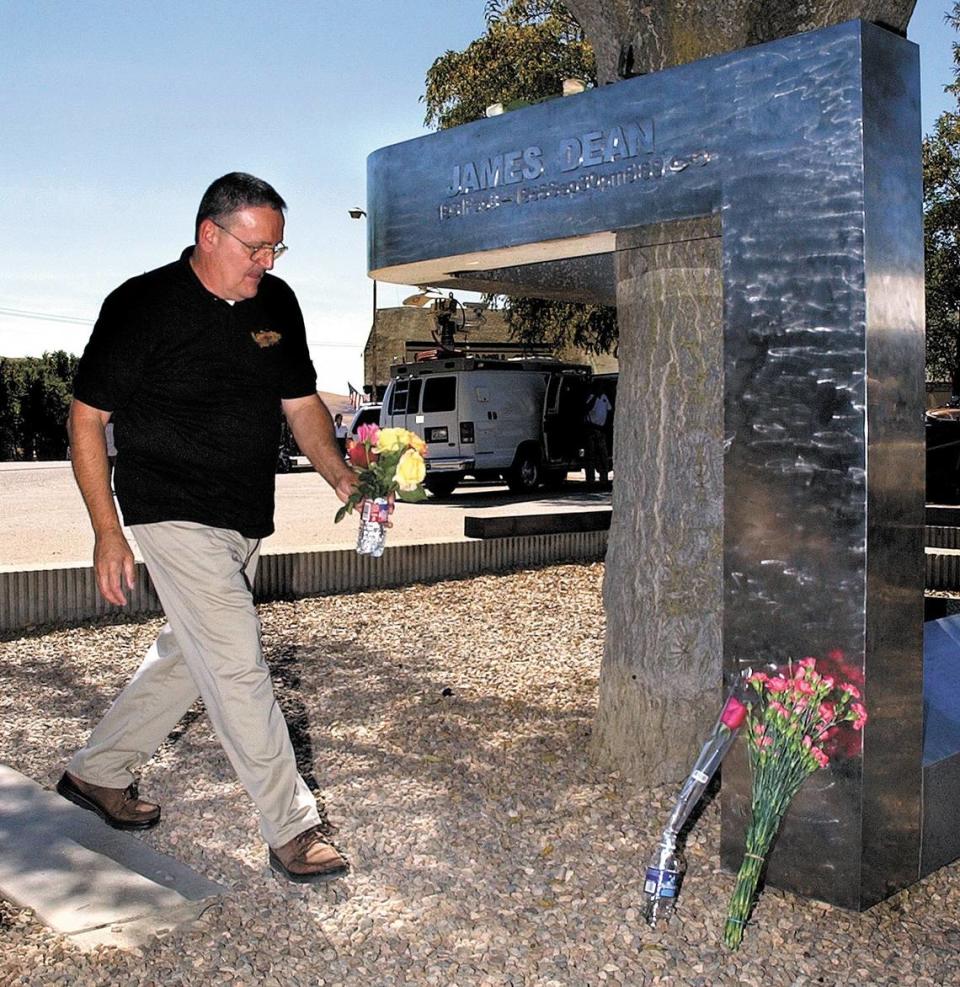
point(794, 726)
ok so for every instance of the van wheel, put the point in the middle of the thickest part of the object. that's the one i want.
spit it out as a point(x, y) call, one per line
point(442, 486)
point(526, 473)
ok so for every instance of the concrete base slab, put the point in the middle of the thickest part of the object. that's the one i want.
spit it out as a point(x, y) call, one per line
point(82, 878)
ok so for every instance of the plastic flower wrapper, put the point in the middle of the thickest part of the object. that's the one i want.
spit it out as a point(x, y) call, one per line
point(388, 462)
point(795, 723)
point(665, 869)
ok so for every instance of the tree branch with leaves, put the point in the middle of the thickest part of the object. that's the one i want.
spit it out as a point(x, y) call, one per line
point(528, 49)
point(941, 224)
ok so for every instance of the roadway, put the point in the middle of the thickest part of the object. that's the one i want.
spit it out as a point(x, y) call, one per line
point(43, 521)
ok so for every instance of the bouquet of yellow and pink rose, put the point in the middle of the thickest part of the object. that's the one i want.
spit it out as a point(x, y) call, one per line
point(388, 461)
point(794, 726)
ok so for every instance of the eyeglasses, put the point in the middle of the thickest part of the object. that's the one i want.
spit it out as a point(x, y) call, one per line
point(257, 253)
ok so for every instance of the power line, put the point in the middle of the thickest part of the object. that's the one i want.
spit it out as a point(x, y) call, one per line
point(19, 313)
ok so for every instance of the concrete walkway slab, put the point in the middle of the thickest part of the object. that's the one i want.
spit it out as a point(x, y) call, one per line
point(82, 878)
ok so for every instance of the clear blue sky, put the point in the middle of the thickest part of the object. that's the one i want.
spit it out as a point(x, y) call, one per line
point(114, 116)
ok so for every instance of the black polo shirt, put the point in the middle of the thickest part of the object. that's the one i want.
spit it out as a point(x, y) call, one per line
point(194, 384)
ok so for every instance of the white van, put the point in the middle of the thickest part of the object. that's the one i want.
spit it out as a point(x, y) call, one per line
point(519, 420)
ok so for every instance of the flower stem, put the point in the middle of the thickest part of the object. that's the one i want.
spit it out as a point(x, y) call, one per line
point(740, 904)
point(763, 828)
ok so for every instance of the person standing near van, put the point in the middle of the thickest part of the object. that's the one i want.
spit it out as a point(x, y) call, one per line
point(340, 430)
point(597, 410)
point(196, 360)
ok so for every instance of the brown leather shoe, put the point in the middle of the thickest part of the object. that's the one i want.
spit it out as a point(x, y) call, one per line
point(120, 808)
point(308, 858)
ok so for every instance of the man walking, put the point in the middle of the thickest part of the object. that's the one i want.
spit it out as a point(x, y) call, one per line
point(196, 360)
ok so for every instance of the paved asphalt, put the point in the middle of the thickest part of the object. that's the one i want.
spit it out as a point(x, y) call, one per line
point(43, 521)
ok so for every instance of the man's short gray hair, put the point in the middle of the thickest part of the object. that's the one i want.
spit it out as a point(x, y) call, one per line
point(237, 190)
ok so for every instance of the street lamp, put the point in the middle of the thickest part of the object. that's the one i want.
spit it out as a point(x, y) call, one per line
point(357, 213)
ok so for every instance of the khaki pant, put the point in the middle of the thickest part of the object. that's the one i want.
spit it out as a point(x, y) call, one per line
point(210, 647)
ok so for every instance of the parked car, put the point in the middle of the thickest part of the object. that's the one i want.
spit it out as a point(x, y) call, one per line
point(366, 414)
point(288, 449)
point(943, 455)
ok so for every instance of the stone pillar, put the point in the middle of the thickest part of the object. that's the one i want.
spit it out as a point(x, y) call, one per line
point(806, 150)
point(664, 585)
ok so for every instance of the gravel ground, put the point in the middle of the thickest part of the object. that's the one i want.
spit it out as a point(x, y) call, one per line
point(446, 728)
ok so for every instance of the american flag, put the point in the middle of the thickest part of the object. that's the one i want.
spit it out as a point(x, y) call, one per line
point(356, 398)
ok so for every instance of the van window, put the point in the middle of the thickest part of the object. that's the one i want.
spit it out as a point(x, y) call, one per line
point(439, 394)
point(406, 396)
point(369, 416)
point(553, 391)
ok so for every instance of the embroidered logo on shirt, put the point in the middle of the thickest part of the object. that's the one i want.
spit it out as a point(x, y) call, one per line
point(266, 337)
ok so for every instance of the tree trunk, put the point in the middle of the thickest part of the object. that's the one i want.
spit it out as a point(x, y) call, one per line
point(660, 679)
point(631, 37)
point(663, 590)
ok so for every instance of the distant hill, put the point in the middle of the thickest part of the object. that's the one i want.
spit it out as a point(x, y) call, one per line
point(337, 403)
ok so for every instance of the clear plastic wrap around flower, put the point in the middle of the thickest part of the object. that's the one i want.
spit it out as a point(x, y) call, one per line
point(388, 463)
point(664, 873)
point(372, 537)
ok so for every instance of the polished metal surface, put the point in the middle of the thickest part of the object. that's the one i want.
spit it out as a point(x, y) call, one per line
point(808, 149)
point(587, 279)
point(824, 467)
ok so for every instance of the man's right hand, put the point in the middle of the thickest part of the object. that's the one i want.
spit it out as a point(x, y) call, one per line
point(114, 566)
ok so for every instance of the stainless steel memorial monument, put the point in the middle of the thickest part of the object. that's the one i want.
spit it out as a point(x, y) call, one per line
point(800, 159)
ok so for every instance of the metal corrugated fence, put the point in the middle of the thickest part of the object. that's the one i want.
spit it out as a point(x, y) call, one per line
point(69, 595)
point(942, 559)
point(941, 536)
point(943, 572)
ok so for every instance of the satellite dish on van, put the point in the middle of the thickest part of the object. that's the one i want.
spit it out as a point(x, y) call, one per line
point(450, 315)
point(423, 298)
